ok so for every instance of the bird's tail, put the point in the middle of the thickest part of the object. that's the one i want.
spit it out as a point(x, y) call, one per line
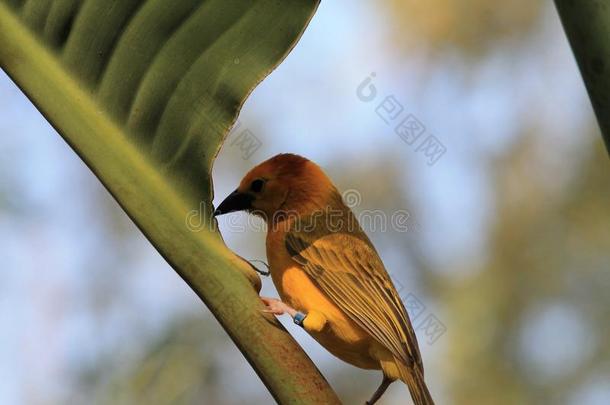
point(414, 378)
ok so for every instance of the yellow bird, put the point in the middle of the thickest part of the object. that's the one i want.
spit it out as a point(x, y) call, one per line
point(327, 272)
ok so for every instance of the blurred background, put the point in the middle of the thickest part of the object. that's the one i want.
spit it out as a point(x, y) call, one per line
point(503, 264)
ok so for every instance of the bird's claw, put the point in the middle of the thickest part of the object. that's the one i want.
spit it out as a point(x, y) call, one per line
point(256, 269)
point(275, 306)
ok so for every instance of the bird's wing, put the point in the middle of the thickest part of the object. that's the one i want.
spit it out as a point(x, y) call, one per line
point(346, 267)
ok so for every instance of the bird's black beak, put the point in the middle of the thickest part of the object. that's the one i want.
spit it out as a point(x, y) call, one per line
point(235, 201)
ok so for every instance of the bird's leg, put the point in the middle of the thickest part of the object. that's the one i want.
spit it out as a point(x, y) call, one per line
point(277, 307)
point(256, 269)
point(385, 383)
point(313, 321)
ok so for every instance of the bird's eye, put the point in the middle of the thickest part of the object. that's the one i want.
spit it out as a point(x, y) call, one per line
point(257, 185)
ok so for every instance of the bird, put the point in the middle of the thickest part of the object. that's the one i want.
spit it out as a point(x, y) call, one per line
point(328, 275)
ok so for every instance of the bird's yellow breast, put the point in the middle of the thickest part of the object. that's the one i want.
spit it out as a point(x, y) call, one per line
point(341, 336)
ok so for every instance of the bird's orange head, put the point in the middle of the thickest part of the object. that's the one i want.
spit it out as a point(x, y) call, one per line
point(286, 183)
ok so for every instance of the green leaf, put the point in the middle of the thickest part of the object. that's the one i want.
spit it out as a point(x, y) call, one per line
point(145, 92)
point(587, 25)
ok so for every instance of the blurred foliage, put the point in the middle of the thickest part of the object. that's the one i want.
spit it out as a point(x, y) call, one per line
point(470, 28)
point(187, 363)
point(547, 249)
point(179, 366)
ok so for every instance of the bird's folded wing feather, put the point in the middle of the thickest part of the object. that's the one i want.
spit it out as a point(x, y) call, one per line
point(349, 271)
